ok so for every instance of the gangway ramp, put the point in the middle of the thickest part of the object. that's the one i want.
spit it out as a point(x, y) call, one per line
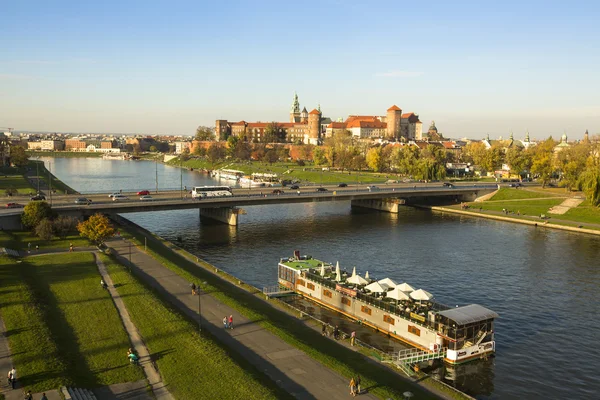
point(405, 359)
point(276, 291)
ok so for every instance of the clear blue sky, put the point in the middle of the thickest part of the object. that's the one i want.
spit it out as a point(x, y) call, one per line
point(167, 67)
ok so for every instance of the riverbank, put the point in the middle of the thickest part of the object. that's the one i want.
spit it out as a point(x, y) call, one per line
point(282, 320)
point(64, 154)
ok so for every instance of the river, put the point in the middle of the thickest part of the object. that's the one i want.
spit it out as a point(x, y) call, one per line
point(543, 283)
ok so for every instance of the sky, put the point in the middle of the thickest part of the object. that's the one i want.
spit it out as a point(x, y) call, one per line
point(165, 67)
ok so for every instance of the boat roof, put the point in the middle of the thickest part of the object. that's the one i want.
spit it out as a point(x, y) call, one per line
point(467, 314)
point(303, 263)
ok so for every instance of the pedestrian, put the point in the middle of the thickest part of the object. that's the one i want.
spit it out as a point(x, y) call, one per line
point(12, 378)
point(121, 191)
point(231, 322)
point(352, 338)
point(70, 247)
point(193, 286)
point(29, 247)
point(43, 397)
point(29, 396)
point(336, 333)
point(225, 323)
point(324, 330)
point(357, 381)
point(37, 247)
point(352, 387)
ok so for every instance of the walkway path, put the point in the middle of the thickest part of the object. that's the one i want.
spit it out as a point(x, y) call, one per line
point(566, 205)
point(160, 390)
point(293, 370)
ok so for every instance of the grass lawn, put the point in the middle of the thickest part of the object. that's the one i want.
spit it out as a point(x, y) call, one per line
point(585, 212)
point(18, 240)
point(78, 337)
point(382, 382)
point(530, 207)
point(17, 182)
point(191, 364)
point(516, 194)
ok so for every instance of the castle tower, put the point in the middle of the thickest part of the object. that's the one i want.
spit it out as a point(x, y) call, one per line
point(393, 119)
point(586, 137)
point(304, 116)
point(314, 126)
point(295, 110)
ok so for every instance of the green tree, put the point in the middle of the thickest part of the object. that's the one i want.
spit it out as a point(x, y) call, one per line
point(185, 154)
point(215, 153)
point(542, 156)
point(319, 156)
point(375, 161)
point(18, 156)
point(405, 158)
point(271, 156)
point(518, 160)
point(204, 133)
point(243, 151)
point(571, 163)
point(153, 149)
point(97, 228)
point(44, 229)
point(34, 212)
point(475, 152)
point(232, 144)
point(273, 133)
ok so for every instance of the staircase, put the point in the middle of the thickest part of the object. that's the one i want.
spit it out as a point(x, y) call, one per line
point(77, 394)
point(480, 336)
point(10, 252)
point(406, 359)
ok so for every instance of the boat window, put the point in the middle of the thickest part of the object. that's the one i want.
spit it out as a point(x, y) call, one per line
point(327, 293)
point(414, 330)
point(310, 286)
point(389, 320)
point(365, 310)
point(346, 301)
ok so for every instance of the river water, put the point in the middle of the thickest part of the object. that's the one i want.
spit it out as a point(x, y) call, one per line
point(543, 283)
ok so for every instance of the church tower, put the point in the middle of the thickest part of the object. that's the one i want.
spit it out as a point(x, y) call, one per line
point(314, 126)
point(304, 116)
point(586, 137)
point(295, 110)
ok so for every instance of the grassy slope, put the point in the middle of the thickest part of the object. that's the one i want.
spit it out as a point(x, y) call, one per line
point(19, 240)
point(84, 342)
point(189, 363)
point(383, 382)
point(532, 207)
point(15, 182)
point(585, 212)
point(516, 194)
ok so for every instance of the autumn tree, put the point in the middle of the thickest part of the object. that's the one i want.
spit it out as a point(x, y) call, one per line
point(542, 156)
point(215, 153)
point(518, 160)
point(375, 160)
point(273, 133)
point(34, 212)
point(44, 229)
point(204, 133)
point(319, 156)
point(571, 163)
point(271, 156)
point(97, 228)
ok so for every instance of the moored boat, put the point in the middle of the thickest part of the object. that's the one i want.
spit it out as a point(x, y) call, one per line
point(459, 334)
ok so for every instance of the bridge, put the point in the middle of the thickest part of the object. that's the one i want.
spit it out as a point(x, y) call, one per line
point(227, 209)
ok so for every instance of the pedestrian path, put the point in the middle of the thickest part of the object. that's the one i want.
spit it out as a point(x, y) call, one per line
point(292, 369)
point(154, 379)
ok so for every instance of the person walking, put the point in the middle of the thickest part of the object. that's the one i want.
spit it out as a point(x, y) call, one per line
point(70, 247)
point(336, 333)
point(193, 286)
point(37, 247)
point(12, 377)
point(324, 330)
point(352, 387)
point(357, 382)
point(29, 247)
point(29, 396)
point(225, 323)
point(43, 397)
point(352, 338)
point(231, 322)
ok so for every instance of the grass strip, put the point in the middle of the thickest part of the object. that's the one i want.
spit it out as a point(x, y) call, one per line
point(77, 317)
point(517, 194)
point(531, 207)
point(380, 380)
point(193, 365)
point(19, 240)
point(17, 182)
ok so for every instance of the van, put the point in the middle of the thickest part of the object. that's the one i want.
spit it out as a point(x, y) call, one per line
point(119, 197)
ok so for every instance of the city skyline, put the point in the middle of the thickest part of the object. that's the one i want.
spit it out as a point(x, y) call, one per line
point(142, 68)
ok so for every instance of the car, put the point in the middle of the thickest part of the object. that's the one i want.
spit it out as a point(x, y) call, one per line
point(448, 184)
point(372, 188)
point(38, 197)
point(321, 189)
point(14, 205)
point(294, 187)
point(146, 198)
point(343, 185)
point(515, 185)
point(143, 192)
point(278, 191)
point(118, 197)
point(114, 194)
point(83, 200)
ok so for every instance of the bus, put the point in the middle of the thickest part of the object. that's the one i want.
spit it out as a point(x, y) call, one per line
point(200, 192)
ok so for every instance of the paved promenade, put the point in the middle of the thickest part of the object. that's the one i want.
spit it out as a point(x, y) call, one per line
point(293, 370)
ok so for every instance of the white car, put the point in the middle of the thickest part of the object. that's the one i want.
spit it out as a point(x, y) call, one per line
point(114, 194)
point(119, 197)
point(372, 188)
point(146, 198)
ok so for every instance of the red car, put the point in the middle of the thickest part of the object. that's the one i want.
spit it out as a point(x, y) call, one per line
point(143, 192)
point(14, 205)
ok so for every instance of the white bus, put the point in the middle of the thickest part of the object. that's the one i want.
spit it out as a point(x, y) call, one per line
point(200, 192)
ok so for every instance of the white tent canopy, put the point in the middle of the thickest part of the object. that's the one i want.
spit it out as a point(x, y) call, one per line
point(357, 280)
point(322, 269)
point(367, 275)
point(397, 294)
point(375, 287)
point(421, 295)
point(387, 282)
point(354, 271)
point(338, 275)
point(405, 287)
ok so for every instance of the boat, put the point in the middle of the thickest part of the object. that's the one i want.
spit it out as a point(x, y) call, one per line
point(228, 174)
point(247, 181)
point(456, 334)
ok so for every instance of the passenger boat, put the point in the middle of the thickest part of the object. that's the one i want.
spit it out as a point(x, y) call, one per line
point(228, 174)
point(461, 333)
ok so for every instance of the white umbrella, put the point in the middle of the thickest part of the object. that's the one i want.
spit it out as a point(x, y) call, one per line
point(338, 275)
point(397, 294)
point(421, 295)
point(322, 269)
point(354, 271)
point(367, 275)
point(405, 287)
point(375, 287)
point(387, 282)
point(357, 280)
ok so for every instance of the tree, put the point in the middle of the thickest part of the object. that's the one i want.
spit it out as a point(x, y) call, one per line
point(542, 156)
point(185, 154)
point(97, 228)
point(204, 133)
point(44, 229)
point(273, 133)
point(374, 159)
point(271, 156)
point(153, 149)
point(405, 158)
point(18, 156)
point(319, 156)
point(571, 163)
point(305, 151)
point(232, 144)
point(475, 153)
point(11, 191)
point(64, 225)
point(215, 153)
point(34, 212)
point(199, 151)
point(518, 160)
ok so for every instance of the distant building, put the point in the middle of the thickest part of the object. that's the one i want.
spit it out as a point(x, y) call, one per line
point(181, 146)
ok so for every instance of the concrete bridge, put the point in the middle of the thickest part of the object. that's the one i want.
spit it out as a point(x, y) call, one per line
point(227, 209)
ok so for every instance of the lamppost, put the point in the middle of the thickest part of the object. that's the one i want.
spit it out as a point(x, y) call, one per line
point(49, 180)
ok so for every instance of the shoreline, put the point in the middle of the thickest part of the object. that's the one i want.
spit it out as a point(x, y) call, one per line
point(544, 224)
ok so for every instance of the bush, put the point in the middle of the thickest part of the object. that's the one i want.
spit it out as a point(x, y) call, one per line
point(44, 229)
point(301, 163)
point(34, 212)
point(64, 225)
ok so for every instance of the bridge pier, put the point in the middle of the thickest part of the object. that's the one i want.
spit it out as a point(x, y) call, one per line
point(387, 205)
point(226, 215)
